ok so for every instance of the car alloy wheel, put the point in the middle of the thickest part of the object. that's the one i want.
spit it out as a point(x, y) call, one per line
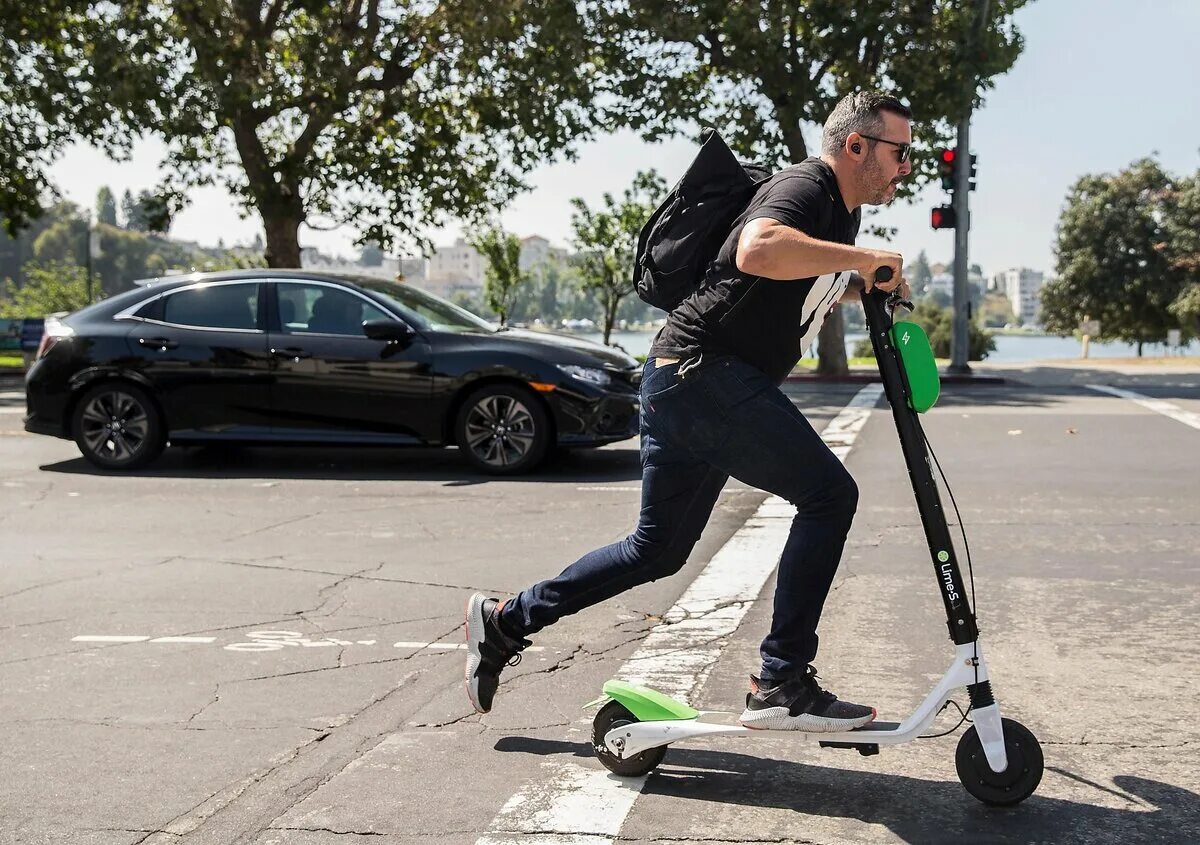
point(503, 431)
point(117, 427)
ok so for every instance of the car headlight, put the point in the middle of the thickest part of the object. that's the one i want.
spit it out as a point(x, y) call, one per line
point(591, 375)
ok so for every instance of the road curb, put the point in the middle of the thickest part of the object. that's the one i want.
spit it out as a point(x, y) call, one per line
point(864, 377)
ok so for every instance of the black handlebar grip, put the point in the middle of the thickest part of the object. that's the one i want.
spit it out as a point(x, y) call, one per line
point(883, 274)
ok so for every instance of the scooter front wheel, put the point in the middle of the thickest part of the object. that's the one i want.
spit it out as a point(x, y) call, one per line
point(1015, 783)
point(616, 715)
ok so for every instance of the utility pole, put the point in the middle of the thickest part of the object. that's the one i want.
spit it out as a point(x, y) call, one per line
point(960, 337)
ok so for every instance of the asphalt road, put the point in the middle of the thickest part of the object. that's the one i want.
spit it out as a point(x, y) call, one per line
point(290, 668)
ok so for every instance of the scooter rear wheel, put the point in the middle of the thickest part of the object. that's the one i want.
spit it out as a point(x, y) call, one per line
point(616, 715)
point(1015, 783)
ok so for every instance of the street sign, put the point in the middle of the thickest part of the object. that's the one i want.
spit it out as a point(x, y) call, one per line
point(1089, 327)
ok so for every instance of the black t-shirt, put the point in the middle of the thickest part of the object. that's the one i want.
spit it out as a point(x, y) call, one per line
point(766, 322)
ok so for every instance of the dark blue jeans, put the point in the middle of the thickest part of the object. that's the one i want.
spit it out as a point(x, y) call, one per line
point(720, 418)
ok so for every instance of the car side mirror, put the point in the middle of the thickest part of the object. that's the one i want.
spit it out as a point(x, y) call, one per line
point(390, 330)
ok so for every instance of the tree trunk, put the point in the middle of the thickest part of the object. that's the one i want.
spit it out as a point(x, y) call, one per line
point(283, 238)
point(831, 344)
point(1139, 349)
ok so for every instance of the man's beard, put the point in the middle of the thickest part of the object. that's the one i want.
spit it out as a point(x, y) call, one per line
point(869, 182)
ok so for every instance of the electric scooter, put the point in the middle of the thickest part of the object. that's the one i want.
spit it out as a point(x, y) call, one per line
point(998, 760)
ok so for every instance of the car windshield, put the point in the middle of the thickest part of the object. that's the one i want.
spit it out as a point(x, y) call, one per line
point(424, 309)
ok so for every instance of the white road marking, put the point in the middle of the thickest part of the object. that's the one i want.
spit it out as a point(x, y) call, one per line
point(585, 805)
point(271, 641)
point(627, 489)
point(13, 410)
point(11, 394)
point(1159, 405)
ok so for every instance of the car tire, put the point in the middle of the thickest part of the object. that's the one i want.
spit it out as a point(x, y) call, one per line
point(503, 429)
point(117, 426)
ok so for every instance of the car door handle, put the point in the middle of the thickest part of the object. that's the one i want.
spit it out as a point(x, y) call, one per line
point(161, 343)
point(293, 352)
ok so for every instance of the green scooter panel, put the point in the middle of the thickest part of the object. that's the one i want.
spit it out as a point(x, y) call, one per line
point(916, 356)
point(647, 704)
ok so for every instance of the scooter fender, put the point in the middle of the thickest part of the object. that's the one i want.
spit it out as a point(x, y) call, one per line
point(646, 704)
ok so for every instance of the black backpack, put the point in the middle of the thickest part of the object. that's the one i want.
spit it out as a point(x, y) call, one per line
point(687, 230)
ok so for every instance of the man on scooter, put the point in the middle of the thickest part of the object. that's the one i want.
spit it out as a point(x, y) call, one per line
point(712, 408)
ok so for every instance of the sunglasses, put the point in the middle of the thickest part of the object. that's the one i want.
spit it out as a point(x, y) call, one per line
point(904, 149)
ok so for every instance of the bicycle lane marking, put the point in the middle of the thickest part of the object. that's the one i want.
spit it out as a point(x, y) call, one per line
point(1158, 405)
point(586, 805)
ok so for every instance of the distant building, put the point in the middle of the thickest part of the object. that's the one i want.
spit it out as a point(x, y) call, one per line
point(1023, 287)
point(461, 267)
point(537, 250)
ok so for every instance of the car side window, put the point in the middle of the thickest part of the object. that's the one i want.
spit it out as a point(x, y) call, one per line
point(213, 306)
point(322, 309)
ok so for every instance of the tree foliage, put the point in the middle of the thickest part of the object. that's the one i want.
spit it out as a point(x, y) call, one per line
point(503, 278)
point(57, 84)
point(607, 238)
point(50, 287)
point(764, 73)
point(1126, 253)
point(387, 117)
point(106, 206)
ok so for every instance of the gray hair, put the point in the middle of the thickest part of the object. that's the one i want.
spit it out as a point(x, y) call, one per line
point(861, 112)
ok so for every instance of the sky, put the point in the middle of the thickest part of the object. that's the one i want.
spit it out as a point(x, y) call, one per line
point(1100, 84)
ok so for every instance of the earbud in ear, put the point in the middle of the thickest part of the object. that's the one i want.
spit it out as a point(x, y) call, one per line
point(856, 148)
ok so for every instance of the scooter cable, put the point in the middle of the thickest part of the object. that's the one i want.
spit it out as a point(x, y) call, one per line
point(970, 574)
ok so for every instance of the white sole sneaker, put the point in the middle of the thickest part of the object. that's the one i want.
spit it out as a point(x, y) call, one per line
point(474, 632)
point(778, 719)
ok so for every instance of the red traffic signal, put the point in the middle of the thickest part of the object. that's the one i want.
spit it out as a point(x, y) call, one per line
point(943, 217)
point(946, 168)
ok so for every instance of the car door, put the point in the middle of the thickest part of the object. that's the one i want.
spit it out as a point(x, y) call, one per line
point(332, 381)
point(204, 349)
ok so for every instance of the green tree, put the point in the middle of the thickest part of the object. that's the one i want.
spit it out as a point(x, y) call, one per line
point(1117, 260)
point(106, 206)
point(503, 278)
point(764, 72)
point(50, 287)
point(56, 86)
point(131, 212)
point(607, 239)
point(383, 116)
point(919, 275)
point(1183, 245)
point(938, 323)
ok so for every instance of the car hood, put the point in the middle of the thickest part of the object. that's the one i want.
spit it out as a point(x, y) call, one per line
point(565, 349)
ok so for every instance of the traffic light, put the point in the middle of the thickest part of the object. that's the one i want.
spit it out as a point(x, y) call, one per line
point(943, 217)
point(946, 168)
point(971, 183)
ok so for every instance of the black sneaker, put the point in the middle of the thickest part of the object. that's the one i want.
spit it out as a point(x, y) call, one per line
point(801, 705)
point(489, 650)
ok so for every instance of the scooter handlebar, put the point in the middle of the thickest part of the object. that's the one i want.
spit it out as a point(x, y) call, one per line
point(885, 274)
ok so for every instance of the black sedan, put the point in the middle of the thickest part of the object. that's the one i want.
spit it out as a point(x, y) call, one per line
point(292, 357)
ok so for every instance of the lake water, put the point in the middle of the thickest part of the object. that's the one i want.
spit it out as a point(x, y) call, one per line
point(1010, 349)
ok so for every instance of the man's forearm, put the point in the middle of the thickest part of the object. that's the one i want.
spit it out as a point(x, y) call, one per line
point(785, 253)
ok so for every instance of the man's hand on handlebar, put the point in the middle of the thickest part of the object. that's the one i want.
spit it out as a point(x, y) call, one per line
point(875, 260)
point(896, 284)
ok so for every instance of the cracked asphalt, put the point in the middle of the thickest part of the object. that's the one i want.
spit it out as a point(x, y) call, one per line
point(313, 690)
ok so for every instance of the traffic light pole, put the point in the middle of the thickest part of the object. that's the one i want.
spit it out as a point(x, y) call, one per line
point(959, 337)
